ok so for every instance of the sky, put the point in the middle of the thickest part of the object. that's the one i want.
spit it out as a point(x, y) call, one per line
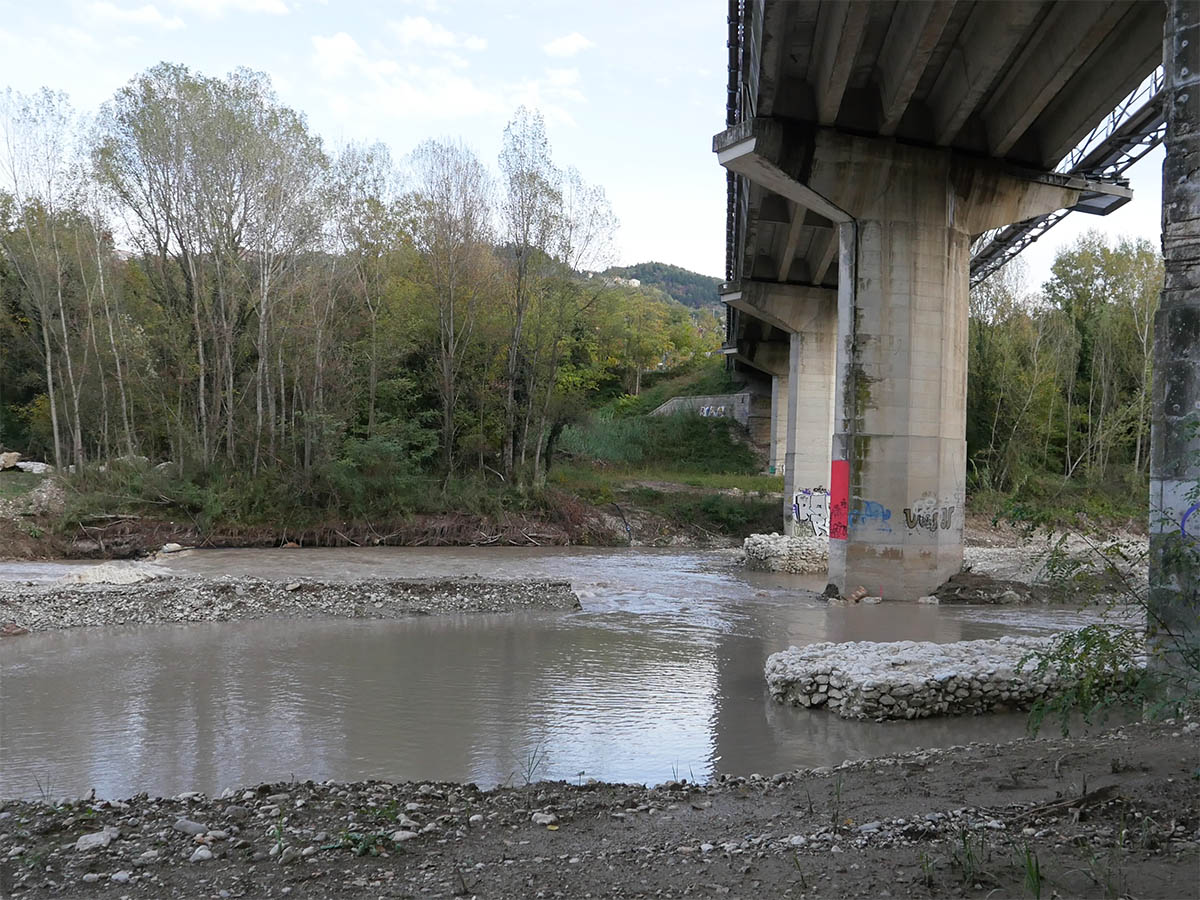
point(632, 92)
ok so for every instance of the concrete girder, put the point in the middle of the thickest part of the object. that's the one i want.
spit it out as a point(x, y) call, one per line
point(793, 240)
point(840, 30)
point(831, 172)
point(826, 257)
point(757, 148)
point(913, 34)
point(1106, 78)
point(768, 357)
point(788, 307)
point(1044, 67)
point(976, 59)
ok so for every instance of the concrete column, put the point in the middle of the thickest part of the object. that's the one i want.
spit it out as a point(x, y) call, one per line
point(802, 390)
point(812, 367)
point(902, 450)
point(779, 389)
point(1174, 622)
point(906, 215)
point(897, 484)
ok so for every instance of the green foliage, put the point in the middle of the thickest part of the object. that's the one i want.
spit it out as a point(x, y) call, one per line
point(1109, 664)
point(700, 377)
point(1094, 669)
point(685, 441)
point(1060, 383)
point(1054, 501)
point(722, 514)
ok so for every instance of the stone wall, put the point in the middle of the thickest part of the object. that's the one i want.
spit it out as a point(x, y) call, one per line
point(784, 553)
point(908, 679)
point(727, 406)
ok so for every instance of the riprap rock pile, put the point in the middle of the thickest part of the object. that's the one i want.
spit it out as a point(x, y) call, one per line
point(908, 679)
point(782, 553)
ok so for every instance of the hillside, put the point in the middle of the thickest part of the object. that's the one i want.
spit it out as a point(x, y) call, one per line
point(689, 288)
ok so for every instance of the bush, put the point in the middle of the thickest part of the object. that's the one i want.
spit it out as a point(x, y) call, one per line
point(683, 442)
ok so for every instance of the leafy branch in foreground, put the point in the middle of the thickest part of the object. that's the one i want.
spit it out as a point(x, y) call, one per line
point(1110, 663)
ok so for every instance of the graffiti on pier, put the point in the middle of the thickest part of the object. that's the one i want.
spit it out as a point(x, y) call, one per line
point(812, 506)
point(870, 512)
point(712, 411)
point(926, 513)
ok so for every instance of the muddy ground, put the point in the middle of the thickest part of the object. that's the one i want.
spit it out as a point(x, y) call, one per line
point(1116, 814)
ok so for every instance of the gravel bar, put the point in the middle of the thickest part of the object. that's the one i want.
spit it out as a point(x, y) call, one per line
point(164, 599)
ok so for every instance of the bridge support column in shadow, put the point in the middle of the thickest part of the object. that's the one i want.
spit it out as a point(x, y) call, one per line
point(804, 399)
point(812, 365)
point(906, 217)
point(779, 389)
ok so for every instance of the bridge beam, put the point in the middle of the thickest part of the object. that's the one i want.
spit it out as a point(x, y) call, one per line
point(897, 479)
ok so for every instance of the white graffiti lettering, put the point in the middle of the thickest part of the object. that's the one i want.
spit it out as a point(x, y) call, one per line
point(812, 506)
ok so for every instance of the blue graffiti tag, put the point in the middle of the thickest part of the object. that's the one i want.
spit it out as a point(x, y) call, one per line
point(871, 510)
point(1183, 524)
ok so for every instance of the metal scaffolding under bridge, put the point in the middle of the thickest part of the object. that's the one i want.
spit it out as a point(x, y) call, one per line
point(1134, 128)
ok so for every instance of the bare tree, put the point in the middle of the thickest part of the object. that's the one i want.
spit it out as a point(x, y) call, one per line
point(451, 226)
point(530, 206)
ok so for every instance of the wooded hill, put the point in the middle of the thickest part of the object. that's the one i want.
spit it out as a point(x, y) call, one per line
point(689, 288)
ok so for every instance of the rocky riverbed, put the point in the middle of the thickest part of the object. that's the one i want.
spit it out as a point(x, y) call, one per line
point(161, 599)
point(1112, 814)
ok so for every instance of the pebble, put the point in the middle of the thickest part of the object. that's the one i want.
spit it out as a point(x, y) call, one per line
point(399, 837)
point(202, 854)
point(90, 878)
point(187, 826)
point(121, 877)
point(544, 819)
point(97, 840)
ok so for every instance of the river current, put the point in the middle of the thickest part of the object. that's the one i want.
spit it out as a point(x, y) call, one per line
point(659, 676)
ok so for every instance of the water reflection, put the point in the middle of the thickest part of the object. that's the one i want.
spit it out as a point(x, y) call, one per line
point(660, 674)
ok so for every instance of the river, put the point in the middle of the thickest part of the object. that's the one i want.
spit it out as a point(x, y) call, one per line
point(659, 676)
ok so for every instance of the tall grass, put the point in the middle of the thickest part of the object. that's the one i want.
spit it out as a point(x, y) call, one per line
point(683, 442)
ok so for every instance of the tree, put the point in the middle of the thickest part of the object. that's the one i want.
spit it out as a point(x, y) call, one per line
point(451, 226)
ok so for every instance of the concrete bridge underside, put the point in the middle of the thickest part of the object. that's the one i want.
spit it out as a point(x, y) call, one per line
point(868, 144)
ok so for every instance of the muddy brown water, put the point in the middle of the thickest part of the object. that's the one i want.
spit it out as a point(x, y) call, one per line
point(659, 676)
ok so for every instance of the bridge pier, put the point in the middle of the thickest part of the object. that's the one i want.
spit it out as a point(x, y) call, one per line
point(779, 392)
point(802, 399)
point(906, 217)
point(899, 445)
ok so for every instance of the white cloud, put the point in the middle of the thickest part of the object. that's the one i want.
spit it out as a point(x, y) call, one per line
point(438, 92)
point(419, 30)
point(218, 8)
point(139, 15)
point(567, 45)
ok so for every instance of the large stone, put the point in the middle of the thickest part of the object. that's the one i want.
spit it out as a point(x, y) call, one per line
point(97, 840)
point(9, 460)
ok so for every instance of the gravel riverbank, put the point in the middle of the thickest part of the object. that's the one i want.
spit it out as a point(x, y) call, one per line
point(1113, 814)
point(162, 599)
